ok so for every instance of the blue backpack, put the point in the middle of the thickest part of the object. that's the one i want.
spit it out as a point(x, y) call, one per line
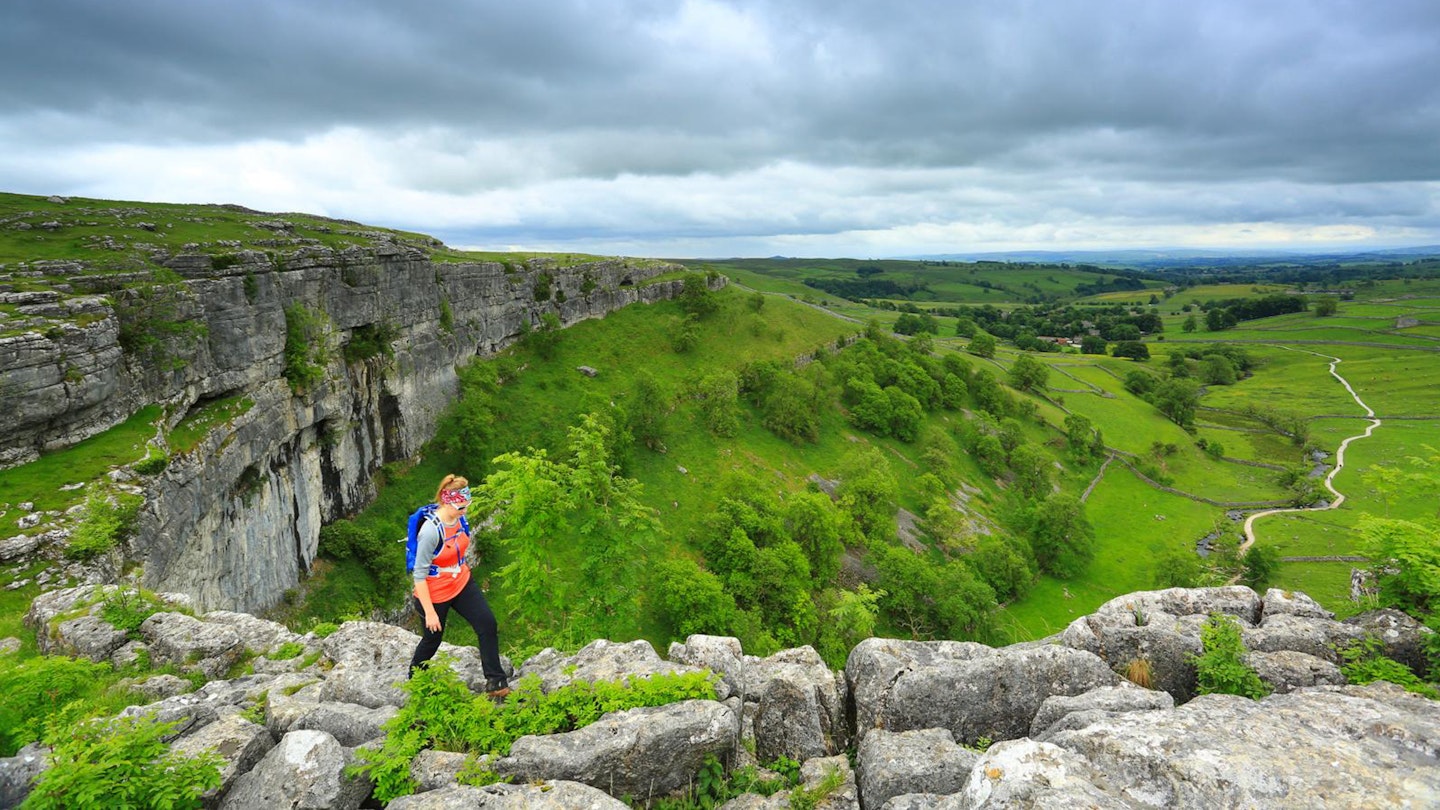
point(412, 536)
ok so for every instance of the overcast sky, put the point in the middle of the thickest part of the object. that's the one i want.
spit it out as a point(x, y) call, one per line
point(705, 128)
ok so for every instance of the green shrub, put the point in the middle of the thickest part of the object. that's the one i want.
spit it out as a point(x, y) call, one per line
point(122, 762)
point(36, 689)
point(447, 317)
point(108, 521)
point(371, 340)
point(286, 651)
point(1221, 668)
point(154, 463)
point(442, 713)
point(324, 629)
point(127, 609)
point(1365, 663)
point(307, 346)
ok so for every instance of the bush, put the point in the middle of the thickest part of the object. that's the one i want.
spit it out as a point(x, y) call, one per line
point(442, 713)
point(36, 689)
point(107, 521)
point(1221, 668)
point(123, 762)
point(307, 346)
point(1364, 664)
point(127, 609)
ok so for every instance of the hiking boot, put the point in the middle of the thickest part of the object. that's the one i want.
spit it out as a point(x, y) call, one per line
point(497, 690)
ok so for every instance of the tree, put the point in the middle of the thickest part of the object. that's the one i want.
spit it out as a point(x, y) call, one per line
point(1093, 344)
point(719, 398)
point(1079, 436)
point(696, 298)
point(1178, 569)
point(1405, 560)
point(867, 492)
point(544, 506)
point(693, 600)
point(1028, 374)
point(1259, 566)
point(848, 618)
point(813, 522)
point(647, 408)
point(990, 455)
point(1189, 325)
point(1139, 383)
point(1032, 470)
point(1061, 536)
point(982, 345)
point(1326, 305)
point(1177, 399)
point(1216, 369)
point(1133, 349)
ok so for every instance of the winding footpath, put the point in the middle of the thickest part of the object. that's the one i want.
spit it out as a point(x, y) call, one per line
point(1339, 459)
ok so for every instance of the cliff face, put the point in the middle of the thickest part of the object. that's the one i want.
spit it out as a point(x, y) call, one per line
point(235, 521)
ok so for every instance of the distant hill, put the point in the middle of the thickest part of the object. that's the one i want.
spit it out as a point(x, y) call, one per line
point(1188, 257)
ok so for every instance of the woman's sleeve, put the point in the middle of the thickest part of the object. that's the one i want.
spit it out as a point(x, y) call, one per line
point(426, 542)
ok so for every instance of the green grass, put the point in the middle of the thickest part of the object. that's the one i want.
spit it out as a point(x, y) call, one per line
point(40, 480)
point(1129, 533)
point(196, 425)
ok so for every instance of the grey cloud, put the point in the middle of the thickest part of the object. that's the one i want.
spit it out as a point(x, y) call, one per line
point(1177, 101)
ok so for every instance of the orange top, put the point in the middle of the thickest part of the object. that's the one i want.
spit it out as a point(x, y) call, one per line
point(444, 586)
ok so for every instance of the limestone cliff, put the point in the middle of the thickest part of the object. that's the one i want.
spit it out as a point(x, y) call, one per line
point(235, 521)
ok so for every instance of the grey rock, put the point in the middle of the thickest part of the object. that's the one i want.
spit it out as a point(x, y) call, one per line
point(188, 712)
point(176, 638)
point(787, 723)
point(1038, 775)
point(802, 698)
point(18, 773)
point(599, 660)
point(432, 769)
point(1310, 748)
point(816, 773)
point(20, 546)
point(1162, 628)
point(924, 761)
point(550, 795)
point(128, 653)
point(305, 769)
point(1109, 699)
point(160, 687)
point(9, 644)
point(986, 693)
point(47, 606)
point(349, 723)
point(643, 753)
point(875, 663)
point(239, 743)
point(88, 637)
point(1318, 637)
point(258, 635)
point(1288, 670)
point(1293, 603)
point(926, 801)
point(372, 661)
point(1403, 638)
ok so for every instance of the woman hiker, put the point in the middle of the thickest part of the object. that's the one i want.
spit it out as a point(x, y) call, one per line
point(446, 583)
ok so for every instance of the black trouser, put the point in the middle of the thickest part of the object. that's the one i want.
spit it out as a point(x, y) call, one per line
point(469, 603)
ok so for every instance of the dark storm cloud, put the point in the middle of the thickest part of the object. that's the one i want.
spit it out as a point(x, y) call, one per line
point(1149, 102)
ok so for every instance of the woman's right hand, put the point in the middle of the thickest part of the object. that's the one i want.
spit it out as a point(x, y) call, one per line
point(432, 621)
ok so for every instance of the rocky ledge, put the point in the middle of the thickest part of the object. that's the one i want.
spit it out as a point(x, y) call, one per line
point(937, 724)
